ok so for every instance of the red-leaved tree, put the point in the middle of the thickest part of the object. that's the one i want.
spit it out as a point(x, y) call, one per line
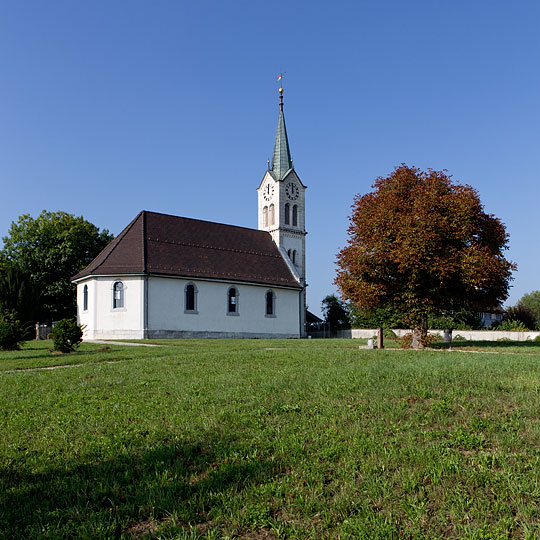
point(421, 243)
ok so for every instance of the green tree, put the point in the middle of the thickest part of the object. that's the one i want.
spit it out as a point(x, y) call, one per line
point(532, 302)
point(11, 331)
point(51, 249)
point(422, 244)
point(387, 317)
point(335, 313)
point(455, 320)
point(521, 314)
point(19, 294)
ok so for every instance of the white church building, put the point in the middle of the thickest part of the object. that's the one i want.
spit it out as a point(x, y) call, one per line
point(166, 276)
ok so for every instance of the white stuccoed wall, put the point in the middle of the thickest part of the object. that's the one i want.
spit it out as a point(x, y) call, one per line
point(166, 316)
point(101, 320)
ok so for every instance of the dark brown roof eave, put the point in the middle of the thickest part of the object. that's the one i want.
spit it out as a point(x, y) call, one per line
point(238, 280)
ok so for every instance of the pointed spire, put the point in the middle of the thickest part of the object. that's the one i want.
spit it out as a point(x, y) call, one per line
point(281, 160)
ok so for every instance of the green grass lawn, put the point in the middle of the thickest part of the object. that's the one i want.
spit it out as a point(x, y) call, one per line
point(266, 439)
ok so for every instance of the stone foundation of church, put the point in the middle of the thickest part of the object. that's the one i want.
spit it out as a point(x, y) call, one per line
point(111, 334)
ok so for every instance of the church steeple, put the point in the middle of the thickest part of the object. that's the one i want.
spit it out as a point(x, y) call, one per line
point(281, 160)
point(281, 201)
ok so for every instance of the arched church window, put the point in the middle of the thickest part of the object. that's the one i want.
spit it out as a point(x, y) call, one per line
point(287, 213)
point(190, 298)
point(270, 304)
point(118, 295)
point(265, 216)
point(271, 216)
point(294, 256)
point(289, 253)
point(85, 297)
point(295, 215)
point(232, 301)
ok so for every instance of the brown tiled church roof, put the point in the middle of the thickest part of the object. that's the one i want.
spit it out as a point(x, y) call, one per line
point(176, 246)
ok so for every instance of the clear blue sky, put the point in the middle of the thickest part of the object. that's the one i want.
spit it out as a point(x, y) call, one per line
point(111, 107)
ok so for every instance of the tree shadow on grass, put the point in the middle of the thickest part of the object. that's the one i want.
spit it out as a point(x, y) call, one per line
point(52, 358)
point(126, 497)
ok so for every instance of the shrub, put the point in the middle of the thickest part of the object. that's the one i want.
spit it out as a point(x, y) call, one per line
point(11, 332)
point(406, 340)
point(512, 325)
point(66, 335)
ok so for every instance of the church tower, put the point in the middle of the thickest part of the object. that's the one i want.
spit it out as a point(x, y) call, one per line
point(281, 205)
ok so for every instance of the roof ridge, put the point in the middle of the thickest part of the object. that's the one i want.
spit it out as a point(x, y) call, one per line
point(204, 221)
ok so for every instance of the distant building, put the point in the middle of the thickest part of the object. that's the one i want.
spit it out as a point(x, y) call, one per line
point(490, 316)
point(165, 276)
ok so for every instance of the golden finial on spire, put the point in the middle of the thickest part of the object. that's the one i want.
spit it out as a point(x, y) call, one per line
point(280, 79)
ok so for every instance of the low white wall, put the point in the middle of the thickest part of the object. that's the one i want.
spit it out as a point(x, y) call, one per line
point(492, 335)
point(470, 335)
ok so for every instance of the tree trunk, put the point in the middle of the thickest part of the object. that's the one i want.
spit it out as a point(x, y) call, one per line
point(416, 341)
point(419, 335)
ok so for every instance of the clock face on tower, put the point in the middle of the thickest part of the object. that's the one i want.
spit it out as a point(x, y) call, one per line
point(268, 192)
point(292, 191)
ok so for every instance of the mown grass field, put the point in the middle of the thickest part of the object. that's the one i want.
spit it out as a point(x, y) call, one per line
point(270, 439)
